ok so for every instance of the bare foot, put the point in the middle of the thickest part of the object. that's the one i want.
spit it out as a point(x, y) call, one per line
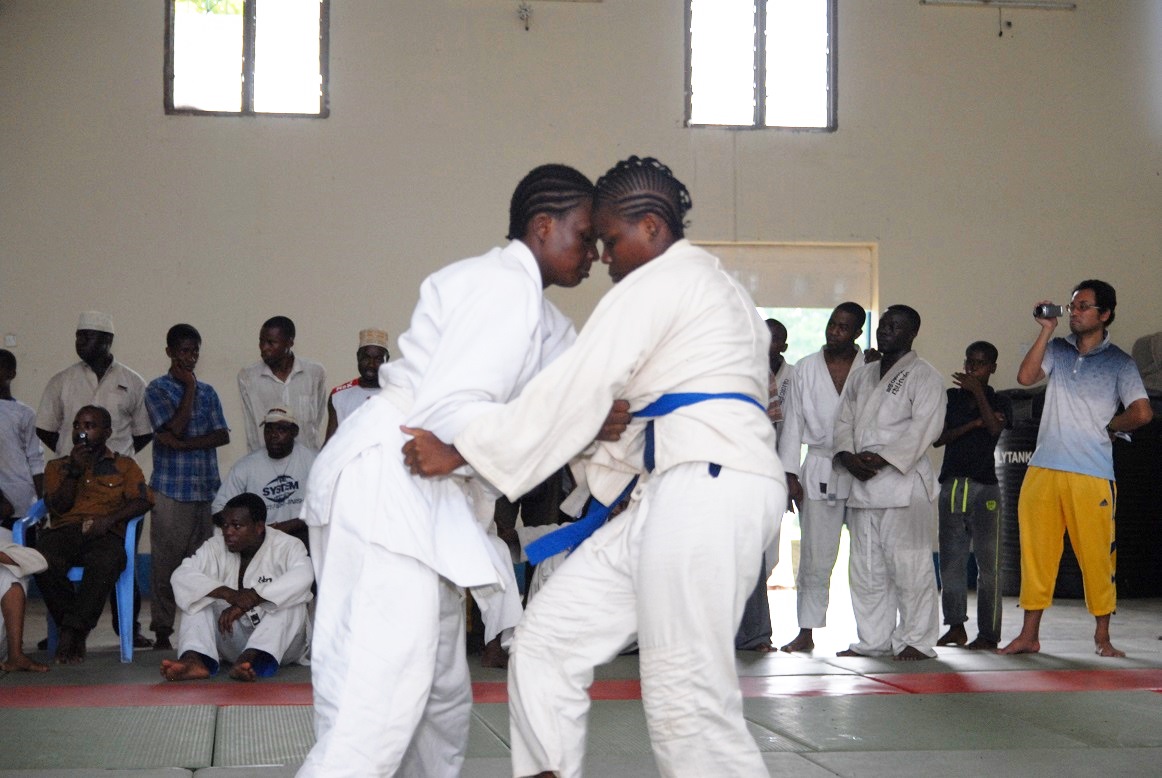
point(70, 648)
point(802, 642)
point(763, 648)
point(955, 636)
point(911, 654)
point(981, 644)
point(242, 671)
point(1105, 648)
point(183, 670)
point(849, 652)
point(494, 655)
point(23, 664)
point(1021, 645)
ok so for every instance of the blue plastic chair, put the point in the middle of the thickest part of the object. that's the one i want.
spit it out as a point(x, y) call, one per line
point(123, 587)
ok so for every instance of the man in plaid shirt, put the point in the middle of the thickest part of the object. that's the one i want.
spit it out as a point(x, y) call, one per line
point(188, 426)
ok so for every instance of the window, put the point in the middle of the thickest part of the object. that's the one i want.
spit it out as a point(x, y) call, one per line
point(247, 57)
point(801, 283)
point(761, 63)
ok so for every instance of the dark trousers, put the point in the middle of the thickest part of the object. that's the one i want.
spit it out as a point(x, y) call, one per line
point(78, 607)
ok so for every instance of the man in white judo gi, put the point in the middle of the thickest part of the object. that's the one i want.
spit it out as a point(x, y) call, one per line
point(390, 676)
point(243, 597)
point(818, 487)
point(674, 569)
point(890, 412)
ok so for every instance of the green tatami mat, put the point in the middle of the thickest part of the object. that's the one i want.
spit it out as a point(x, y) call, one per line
point(108, 738)
point(263, 735)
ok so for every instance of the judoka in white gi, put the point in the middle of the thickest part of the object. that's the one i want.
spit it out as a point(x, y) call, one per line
point(243, 598)
point(674, 569)
point(890, 412)
point(391, 683)
point(817, 486)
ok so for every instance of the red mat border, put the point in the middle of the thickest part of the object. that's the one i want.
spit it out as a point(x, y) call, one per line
point(226, 693)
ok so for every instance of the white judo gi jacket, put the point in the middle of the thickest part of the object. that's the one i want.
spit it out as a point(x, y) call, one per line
point(809, 418)
point(481, 329)
point(679, 323)
point(897, 417)
point(280, 573)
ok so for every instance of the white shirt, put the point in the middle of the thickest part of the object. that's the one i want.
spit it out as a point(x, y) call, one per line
point(20, 455)
point(281, 483)
point(120, 391)
point(347, 398)
point(304, 394)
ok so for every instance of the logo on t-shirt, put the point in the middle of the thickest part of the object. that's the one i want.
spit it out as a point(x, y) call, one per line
point(280, 489)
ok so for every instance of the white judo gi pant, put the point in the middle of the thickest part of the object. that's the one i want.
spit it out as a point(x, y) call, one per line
point(389, 669)
point(282, 633)
point(820, 524)
point(672, 571)
point(893, 580)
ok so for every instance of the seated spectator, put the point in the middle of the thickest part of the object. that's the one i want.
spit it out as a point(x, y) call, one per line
point(16, 564)
point(259, 625)
point(91, 495)
point(277, 473)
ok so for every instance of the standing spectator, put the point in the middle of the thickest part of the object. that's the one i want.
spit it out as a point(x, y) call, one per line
point(818, 487)
point(891, 411)
point(98, 379)
point(1069, 486)
point(346, 398)
point(21, 461)
point(754, 633)
point(91, 495)
point(188, 426)
point(282, 379)
point(970, 500)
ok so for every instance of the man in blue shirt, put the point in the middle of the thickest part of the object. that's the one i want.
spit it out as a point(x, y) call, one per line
point(189, 426)
point(1069, 486)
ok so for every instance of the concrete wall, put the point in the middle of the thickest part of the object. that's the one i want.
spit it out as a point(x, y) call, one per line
point(991, 171)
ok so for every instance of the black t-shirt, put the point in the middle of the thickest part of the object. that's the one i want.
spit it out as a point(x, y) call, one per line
point(971, 455)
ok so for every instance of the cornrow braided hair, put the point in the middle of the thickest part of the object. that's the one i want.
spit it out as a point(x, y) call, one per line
point(551, 189)
point(635, 187)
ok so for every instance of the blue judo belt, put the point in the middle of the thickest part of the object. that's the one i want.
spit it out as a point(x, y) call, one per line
point(571, 535)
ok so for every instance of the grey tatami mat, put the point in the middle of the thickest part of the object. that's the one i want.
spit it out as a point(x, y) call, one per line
point(253, 771)
point(899, 722)
point(1097, 719)
point(1025, 762)
point(263, 735)
point(488, 735)
point(88, 772)
point(130, 738)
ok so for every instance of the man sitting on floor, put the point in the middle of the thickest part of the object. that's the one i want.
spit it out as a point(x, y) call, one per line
point(243, 597)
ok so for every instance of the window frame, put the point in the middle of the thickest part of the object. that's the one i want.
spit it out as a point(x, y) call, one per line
point(760, 74)
point(249, 15)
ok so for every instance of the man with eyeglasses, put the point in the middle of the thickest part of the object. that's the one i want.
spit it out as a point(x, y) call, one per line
point(970, 499)
point(1069, 486)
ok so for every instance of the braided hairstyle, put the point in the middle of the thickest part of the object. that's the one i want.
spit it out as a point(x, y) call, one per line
point(635, 187)
point(552, 189)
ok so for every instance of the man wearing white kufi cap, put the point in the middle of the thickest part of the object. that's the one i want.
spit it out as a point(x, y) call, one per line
point(346, 398)
point(98, 379)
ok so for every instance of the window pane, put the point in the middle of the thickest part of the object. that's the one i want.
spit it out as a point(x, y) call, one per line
point(286, 57)
point(797, 60)
point(722, 79)
point(207, 54)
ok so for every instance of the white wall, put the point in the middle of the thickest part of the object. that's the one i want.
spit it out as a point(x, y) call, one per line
point(991, 171)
